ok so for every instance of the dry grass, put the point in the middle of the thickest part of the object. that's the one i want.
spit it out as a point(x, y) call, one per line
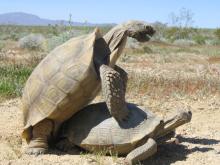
point(15, 67)
point(165, 70)
point(160, 84)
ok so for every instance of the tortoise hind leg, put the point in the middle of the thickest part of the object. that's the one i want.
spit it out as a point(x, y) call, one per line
point(65, 145)
point(41, 132)
point(142, 152)
point(114, 92)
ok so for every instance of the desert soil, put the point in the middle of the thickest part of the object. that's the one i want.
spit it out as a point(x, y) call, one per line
point(199, 139)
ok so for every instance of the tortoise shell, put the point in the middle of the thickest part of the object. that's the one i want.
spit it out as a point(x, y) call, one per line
point(94, 129)
point(64, 81)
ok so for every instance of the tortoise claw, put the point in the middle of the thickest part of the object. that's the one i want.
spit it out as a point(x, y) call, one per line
point(36, 151)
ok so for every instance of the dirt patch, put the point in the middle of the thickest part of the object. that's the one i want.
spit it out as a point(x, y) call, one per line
point(199, 140)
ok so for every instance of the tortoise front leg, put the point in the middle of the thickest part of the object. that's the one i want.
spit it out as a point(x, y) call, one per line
point(123, 75)
point(114, 93)
point(142, 152)
point(41, 133)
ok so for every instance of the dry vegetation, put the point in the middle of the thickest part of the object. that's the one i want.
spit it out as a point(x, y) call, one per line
point(162, 76)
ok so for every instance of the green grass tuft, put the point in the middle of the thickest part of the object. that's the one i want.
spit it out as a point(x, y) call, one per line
point(13, 79)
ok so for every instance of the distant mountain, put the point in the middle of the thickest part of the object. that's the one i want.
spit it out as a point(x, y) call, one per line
point(20, 18)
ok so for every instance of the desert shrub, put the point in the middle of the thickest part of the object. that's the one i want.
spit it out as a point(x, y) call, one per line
point(199, 39)
point(217, 33)
point(185, 33)
point(63, 37)
point(175, 33)
point(54, 30)
point(184, 42)
point(32, 42)
point(181, 25)
point(9, 32)
point(171, 32)
point(14, 36)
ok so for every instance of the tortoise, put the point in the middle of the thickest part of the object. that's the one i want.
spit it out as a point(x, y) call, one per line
point(94, 129)
point(68, 79)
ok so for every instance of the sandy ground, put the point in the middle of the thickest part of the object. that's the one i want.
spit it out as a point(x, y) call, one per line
point(199, 140)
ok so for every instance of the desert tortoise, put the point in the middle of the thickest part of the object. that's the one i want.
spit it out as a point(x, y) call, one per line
point(94, 129)
point(65, 81)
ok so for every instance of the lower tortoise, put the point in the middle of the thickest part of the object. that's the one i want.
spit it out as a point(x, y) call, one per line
point(95, 130)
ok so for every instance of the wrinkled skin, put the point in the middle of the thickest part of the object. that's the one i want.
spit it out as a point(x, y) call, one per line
point(116, 38)
point(141, 31)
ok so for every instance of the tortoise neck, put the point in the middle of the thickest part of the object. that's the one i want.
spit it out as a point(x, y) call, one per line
point(116, 39)
point(115, 36)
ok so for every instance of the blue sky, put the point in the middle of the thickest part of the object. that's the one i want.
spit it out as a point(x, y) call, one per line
point(206, 12)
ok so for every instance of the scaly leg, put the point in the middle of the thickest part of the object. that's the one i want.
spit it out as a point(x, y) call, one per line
point(142, 152)
point(123, 75)
point(113, 90)
point(41, 132)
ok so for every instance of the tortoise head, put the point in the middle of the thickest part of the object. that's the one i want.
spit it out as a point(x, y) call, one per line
point(183, 116)
point(139, 30)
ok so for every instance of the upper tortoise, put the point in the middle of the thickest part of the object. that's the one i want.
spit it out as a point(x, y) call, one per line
point(71, 75)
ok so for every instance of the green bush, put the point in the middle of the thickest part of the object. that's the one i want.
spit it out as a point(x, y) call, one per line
point(176, 33)
point(199, 39)
point(170, 33)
